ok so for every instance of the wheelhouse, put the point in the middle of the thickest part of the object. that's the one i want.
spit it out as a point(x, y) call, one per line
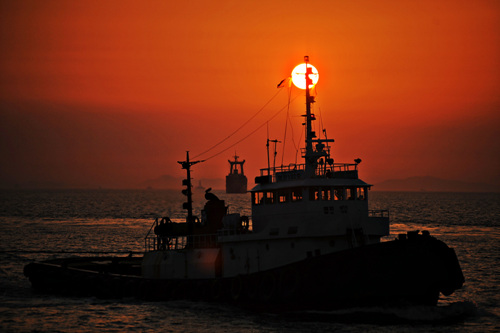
point(312, 193)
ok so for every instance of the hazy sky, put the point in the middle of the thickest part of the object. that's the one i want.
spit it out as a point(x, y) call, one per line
point(111, 93)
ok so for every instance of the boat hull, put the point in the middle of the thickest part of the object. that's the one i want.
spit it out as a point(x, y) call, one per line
point(410, 271)
point(103, 277)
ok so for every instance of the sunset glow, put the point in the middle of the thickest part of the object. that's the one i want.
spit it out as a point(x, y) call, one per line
point(112, 93)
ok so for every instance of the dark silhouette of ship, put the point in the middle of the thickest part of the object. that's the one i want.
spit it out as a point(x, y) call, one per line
point(236, 181)
point(311, 243)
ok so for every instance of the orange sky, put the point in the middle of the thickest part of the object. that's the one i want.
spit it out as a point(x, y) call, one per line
point(113, 92)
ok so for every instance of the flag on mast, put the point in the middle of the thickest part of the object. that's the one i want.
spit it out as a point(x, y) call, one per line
point(284, 83)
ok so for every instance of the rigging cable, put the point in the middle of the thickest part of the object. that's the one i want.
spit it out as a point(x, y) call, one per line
point(286, 126)
point(230, 135)
point(251, 133)
point(300, 139)
point(287, 120)
point(322, 126)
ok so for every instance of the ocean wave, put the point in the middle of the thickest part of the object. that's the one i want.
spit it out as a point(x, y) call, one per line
point(446, 314)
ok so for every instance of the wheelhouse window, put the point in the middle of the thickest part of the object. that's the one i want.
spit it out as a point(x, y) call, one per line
point(280, 196)
point(283, 196)
point(338, 194)
point(258, 198)
point(362, 192)
point(320, 193)
point(326, 193)
point(350, 193)
point(296, 194)
point(269, 197)
point(314, 194)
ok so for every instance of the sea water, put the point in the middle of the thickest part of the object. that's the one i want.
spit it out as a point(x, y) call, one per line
point(40, 224)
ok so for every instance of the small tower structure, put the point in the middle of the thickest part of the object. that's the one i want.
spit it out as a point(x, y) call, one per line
point(236, 181)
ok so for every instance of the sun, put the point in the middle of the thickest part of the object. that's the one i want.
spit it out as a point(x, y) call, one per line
point(298, 76)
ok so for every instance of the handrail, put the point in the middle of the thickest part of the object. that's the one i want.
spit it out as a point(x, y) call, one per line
point(155, 224)
point(169, 243)
point(334, 167)
point(146, 244)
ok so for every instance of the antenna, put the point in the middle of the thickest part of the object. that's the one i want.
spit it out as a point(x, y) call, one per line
point(274, 153)
point(267, 146)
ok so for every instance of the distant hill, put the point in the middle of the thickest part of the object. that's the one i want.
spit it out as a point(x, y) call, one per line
point(428, 183)
point(170, 182)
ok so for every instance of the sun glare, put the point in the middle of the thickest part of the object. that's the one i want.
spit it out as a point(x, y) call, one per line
point(298, 76)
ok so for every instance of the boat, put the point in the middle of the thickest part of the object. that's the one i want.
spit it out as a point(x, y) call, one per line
point(236, 181)
point(200, 187)
point(311, 242)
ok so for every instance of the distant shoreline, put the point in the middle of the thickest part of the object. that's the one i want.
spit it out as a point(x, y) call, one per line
point(374, 189)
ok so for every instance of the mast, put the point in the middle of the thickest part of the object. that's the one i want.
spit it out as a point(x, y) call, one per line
point(312, 154)
point(309, 158)
point(189, 194)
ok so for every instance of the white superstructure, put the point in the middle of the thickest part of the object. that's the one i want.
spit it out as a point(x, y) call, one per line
point(298, 211)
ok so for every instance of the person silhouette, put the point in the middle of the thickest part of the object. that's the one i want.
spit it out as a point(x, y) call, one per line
point(210, 196)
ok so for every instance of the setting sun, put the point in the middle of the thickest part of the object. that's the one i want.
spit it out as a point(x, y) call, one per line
point(298, 76)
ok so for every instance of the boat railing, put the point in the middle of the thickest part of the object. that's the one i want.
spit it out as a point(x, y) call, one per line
point(295, 171)
point(378, 213)
point(155, 224)
point(342, 167)
point(292, 167)
point(325, 151)
point(166, 243)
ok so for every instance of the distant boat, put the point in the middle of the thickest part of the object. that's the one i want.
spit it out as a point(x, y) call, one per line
point(199, 187)
point(236, 181)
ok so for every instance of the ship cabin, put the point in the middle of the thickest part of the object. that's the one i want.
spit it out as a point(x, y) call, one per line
point(332, 201)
